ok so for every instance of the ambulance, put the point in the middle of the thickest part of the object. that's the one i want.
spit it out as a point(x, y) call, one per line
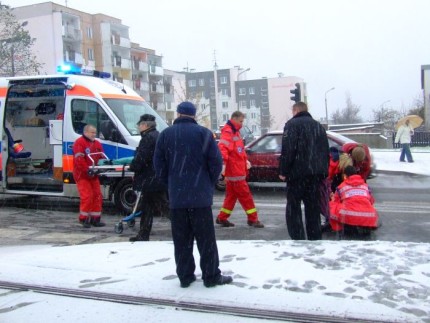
point(42, 116)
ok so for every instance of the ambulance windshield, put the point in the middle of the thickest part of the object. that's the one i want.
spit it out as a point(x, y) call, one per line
point(129, 112)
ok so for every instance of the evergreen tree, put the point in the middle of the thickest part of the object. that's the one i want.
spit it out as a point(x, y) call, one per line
point(16, 57)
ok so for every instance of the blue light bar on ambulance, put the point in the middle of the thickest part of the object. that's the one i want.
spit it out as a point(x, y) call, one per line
point(73, 69)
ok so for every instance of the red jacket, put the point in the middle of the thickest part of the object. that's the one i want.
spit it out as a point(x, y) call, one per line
point(81, 163)
point(362, 168)
point(352, 204)
point(233, 151)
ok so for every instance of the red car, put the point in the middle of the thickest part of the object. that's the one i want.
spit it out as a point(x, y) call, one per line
point(264, 153)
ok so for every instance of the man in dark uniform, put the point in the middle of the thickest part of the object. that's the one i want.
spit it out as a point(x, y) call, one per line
point(153, 193)
point(188, 160)
point(304, 166)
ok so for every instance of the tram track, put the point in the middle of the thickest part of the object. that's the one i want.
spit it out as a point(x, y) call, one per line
point(183, 305)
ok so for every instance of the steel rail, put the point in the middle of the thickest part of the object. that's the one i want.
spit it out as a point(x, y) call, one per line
point(184, 305)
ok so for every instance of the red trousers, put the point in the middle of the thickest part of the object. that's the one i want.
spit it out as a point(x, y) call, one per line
point(91, 199)
point(238, 190)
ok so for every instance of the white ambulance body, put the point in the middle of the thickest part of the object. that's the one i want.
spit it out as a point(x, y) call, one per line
point(42, 116)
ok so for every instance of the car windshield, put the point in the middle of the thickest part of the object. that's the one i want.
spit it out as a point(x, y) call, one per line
point(129, 112)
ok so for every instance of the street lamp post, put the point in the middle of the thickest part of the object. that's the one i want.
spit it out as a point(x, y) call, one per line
point(237, 80)
point(326, 110)
point(381, 112)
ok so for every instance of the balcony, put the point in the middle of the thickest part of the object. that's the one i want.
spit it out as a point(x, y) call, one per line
point(127, 83)
point(70, 33)
point(72, 56)
point(140, 85)
point(157, 88)
point(120, 41)
point(155, 70)
point(118, 61)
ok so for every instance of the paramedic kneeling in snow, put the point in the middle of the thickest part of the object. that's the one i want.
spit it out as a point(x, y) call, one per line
point(352, 203)
point(88, 183)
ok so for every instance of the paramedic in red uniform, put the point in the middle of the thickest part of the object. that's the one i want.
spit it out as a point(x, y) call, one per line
point(352, 203)
point(88, 183)
point(235, 170)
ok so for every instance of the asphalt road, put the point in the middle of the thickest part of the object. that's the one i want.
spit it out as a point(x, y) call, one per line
point(402, 202)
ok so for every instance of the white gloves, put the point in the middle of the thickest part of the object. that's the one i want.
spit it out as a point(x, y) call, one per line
point(223, 170)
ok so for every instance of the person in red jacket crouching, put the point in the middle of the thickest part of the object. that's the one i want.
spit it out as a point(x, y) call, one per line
point(352, 204)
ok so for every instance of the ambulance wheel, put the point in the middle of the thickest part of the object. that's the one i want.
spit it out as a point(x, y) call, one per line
point(131, 223)
point(124, 197)
point(119, 228)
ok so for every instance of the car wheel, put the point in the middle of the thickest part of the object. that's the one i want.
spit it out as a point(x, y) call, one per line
point(124, 196)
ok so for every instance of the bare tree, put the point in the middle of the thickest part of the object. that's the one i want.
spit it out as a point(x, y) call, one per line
point(349, 114)
point(417, 107)
point(16, 57)
point(389, 117)
point(203, 109)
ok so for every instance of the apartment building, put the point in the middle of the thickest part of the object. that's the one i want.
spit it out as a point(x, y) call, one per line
point(174, 93)
point(94, 41)
point(266, 101)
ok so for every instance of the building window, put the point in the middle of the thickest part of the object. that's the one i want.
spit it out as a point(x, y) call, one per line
point(223, 79)
point(251, 90)
point(252, 103)
point(242, 91)
point(253, 115)
point(263, 93)
point(254, 128)
point(225, 117)
point(225, 104)
point(224, 91)
point(192, 83)
point(90, 33)
point(242, 104)
point(212, 82)
point(90, 54)
point(201, 82)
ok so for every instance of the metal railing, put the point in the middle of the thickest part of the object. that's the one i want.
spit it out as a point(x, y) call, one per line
point(419, 139)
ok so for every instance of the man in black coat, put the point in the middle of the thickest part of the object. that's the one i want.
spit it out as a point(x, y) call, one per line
point(188, 160)
point(153, 199)
point(303, 165)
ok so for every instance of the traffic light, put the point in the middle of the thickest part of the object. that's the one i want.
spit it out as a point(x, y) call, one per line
point(296, 93)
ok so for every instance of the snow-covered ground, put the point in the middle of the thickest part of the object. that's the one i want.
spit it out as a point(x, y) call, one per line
point(389, 160)
point(376, 280)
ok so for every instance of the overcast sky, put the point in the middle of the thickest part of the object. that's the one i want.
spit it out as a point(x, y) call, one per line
point(372, 50)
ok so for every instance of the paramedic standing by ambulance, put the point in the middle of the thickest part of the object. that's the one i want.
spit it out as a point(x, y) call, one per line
point(87, 182)
point(235, 169)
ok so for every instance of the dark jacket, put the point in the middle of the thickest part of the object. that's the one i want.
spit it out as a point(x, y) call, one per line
point(188, 160)
point(142, 164)
point(305, 150)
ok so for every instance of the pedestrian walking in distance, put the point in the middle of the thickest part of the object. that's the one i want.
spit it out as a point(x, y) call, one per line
point(404, 137)
point(188, 161)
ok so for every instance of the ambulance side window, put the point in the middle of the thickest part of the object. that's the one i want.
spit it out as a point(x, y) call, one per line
point(89, 112)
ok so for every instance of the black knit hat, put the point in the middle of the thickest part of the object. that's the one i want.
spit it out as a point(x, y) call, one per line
point(187, 108)
point(146, 117)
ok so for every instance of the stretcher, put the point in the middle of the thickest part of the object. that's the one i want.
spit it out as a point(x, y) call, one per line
point(109, 168)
